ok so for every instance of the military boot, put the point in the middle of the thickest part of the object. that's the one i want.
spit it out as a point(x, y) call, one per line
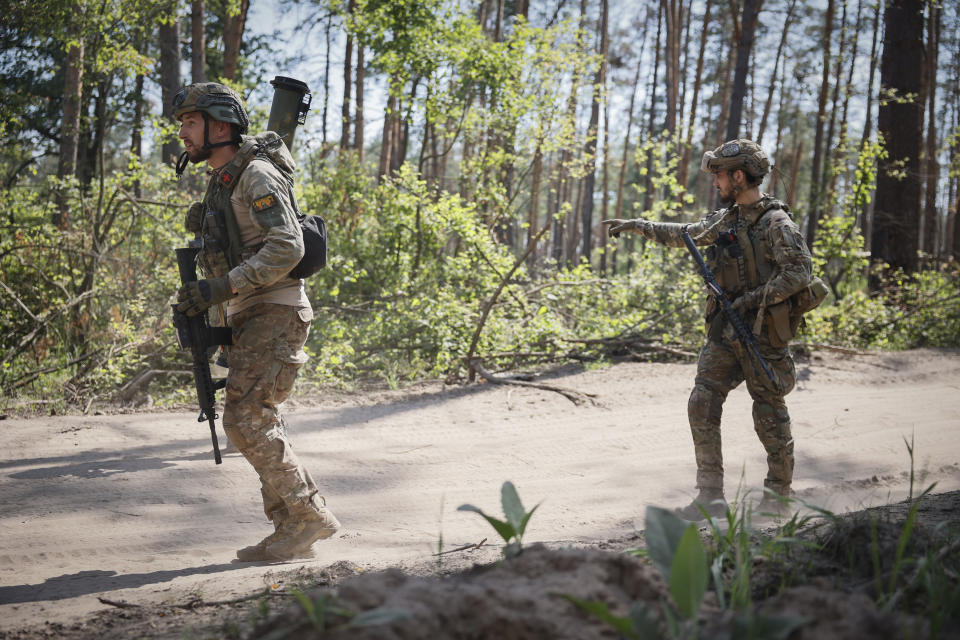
point(775, 502)
point(258, 552)
point(710, 501)
point(296, 535)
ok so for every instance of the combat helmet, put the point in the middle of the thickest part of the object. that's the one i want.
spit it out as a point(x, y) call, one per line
point(213, 99)
point(737, 154)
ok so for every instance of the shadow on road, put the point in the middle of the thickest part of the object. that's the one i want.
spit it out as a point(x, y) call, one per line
point(97, 581)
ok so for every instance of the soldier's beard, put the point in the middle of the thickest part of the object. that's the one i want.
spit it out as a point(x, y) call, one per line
point(198, 155)
point(727, 196)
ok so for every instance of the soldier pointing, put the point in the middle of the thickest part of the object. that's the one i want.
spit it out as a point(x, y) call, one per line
point(762, 263)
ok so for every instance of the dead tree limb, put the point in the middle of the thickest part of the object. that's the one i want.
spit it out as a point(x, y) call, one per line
point(142, 379)
point(496, 294)
point(466, 547)
point(576, 397)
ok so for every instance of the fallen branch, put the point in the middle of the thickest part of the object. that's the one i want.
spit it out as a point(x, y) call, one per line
point(120, 604)
point(194, 604)
point(142, 379)
point(496, 294)
point(576, 397)
point(629, 343)
point(661, 348)
point(830, 347)
point(466, 547)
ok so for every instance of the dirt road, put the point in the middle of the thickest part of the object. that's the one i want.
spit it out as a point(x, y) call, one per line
point(132, 508)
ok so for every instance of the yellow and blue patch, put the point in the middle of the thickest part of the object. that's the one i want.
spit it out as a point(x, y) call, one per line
point(264, 203)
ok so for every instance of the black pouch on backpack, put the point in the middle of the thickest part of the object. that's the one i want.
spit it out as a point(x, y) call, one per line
point(314, 247)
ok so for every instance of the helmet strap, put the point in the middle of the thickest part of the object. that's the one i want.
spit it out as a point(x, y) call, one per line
point(206, 135)
point(182, 164)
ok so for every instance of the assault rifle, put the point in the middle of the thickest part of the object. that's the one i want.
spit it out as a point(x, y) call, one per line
point(196, 334)
point(740, 328)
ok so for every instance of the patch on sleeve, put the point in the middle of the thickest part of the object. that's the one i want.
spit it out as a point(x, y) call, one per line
point(266, 202)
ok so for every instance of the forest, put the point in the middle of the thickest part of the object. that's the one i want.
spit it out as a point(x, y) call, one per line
point(463, 155)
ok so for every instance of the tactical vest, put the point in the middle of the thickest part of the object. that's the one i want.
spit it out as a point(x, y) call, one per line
point(222, 248)
point(739, 262)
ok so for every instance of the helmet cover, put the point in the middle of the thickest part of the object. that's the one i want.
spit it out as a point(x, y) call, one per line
point(737, 154)
point(218, 101)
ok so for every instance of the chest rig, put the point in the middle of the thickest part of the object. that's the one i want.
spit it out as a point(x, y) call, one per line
point(740, 257)
point(221, 245)
point(741, 261)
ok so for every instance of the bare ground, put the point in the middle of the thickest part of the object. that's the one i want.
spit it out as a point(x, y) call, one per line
point(121, 526)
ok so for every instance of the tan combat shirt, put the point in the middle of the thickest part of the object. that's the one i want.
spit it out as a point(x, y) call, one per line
point(272, 241)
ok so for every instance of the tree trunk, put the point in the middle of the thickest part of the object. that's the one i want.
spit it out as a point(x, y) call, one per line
point(854, 53)
point(830, 150)
point(198, 43)
point(815, 173)
point(386, 140)
point(605, 191)
point(232, 40)
point(688, 138)
point(776, 172)
point(671, 11)
point(347, 83)
point(748, 27)
point(900, 122)
point(651, 122)
point(169, 83)
point(930, 217)
point(565, 227)
point(686, 17)
point(533, 213)
point(326, 80)
point(136, 128)
point(358, 119)
point(70, 126)
point(795, 173)
point(590, 148)
point(865, 212)
point(624, 161)
point(773, 74)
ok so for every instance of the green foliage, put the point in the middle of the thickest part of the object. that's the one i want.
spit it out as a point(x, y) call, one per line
point(838, 253)
point(87, 306)
point(515, 525)
point(410, 272)
point(909, 311)
point(675, 548)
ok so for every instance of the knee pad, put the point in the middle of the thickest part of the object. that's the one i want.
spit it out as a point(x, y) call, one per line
point(705, 406)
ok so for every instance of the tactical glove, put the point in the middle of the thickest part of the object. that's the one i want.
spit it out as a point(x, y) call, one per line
point(748, 301)
point(616, 226)
point(197, 297)
point(194, 218)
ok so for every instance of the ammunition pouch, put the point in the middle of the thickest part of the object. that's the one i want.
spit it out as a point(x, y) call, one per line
point(781, 324)
point(213, 258)
point(810, 297)
point(213, 262)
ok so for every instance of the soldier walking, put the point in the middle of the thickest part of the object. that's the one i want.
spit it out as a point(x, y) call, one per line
point(251, 241)
point(761, 262)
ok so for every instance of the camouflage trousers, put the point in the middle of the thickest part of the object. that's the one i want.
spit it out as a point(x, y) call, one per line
point(721, 367)
point(266, 355)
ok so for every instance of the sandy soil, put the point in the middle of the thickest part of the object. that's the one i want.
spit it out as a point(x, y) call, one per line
point(130, 508)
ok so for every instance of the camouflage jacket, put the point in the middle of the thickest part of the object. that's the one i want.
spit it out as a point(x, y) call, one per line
point(265, 238)
point(756, 248)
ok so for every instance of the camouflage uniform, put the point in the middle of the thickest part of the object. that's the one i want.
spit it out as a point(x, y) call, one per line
point(251, 239)
point(270, 319)
point(755, 250)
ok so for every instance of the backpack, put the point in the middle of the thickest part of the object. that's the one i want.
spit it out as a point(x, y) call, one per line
point(810, 297)
point(270, 146)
